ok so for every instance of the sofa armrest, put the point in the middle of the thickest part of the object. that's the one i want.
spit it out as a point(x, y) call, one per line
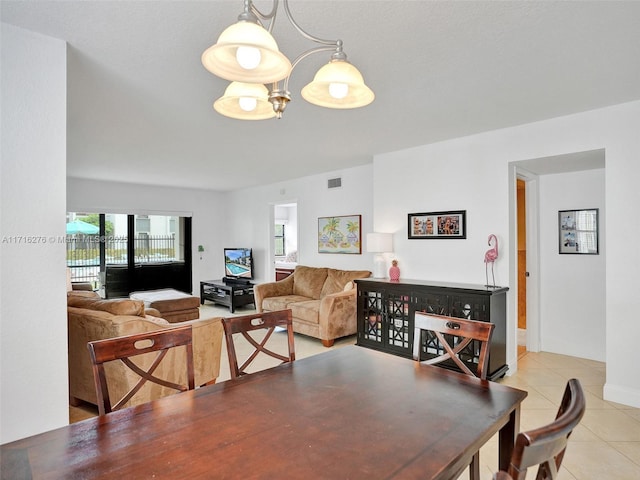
point(208, 335)
point(272, 289)
point(153, 312)
point(337, 316)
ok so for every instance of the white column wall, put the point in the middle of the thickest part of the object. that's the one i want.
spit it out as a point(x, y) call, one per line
point(34, 392)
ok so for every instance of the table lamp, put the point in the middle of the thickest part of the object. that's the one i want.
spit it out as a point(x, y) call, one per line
point(379, 243)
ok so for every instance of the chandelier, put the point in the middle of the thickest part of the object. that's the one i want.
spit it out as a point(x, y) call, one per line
point(247, 55)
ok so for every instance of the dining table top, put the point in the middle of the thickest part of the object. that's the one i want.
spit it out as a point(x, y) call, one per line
point(347, 413)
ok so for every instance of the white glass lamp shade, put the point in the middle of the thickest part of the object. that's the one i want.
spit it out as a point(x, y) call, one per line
point(338, 84)
point(245, 101)
point(379, 243)
point(246, 52)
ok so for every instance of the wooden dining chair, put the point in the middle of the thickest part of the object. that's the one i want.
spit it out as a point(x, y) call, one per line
point(545, 446)
point(453, 336)
point(246, 324)
point(124, 348)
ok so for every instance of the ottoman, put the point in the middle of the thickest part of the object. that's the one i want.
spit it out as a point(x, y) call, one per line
point(174, 306)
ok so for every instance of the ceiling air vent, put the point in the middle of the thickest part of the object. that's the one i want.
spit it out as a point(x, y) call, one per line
point(334, 182)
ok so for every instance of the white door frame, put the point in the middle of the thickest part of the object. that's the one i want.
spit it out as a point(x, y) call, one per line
point(272, 231)
point(532, 266)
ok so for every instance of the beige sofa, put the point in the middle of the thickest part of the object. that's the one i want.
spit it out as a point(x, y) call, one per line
point(322, 301)
point(92, 318)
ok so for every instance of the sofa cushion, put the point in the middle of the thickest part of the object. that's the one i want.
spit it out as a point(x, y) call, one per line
point(308, 281)
point(306, 311)
point(337, 279)
point(122, 306)
point(271, 304)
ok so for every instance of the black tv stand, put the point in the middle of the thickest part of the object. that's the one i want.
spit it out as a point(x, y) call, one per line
point(236, 281)
point(228, 294)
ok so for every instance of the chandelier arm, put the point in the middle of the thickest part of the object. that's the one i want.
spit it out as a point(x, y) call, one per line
point(306, 35)
point(301, 57)
point(262, 17)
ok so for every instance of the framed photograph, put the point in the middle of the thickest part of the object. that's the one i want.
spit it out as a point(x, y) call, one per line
point(578, 231)
point(438, 224)
point(340, 234)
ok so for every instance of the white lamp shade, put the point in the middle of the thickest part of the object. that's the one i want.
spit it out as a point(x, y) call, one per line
point(221, 58)
point(338, 84)
point(238, 95)
point(379, 242)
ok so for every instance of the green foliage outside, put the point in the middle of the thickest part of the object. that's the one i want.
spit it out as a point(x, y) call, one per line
point(94, 219)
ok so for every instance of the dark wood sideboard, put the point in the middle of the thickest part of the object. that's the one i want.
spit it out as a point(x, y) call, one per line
point(386, 316)
point(282, 273)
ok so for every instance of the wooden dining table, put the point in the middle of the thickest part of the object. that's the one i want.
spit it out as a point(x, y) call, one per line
point(348, 413)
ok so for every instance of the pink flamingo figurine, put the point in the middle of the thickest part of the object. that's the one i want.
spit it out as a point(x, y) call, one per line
point(490, 257)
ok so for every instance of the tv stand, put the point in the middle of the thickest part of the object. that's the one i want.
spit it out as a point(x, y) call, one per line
point(236, 281)
point(230, 295)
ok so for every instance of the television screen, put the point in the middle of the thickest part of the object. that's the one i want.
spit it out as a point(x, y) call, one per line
point(238, 262)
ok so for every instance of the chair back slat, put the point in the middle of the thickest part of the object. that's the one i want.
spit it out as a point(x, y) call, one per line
point(124, 348)
point(267, 322)
point(454, 335)
point(545, 446)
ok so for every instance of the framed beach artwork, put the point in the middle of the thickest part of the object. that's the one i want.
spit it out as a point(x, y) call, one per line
point(340, 234)
point(578, 232)
point(429, 225)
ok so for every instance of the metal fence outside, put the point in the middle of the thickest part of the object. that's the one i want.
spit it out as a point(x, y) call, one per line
point(83, 253)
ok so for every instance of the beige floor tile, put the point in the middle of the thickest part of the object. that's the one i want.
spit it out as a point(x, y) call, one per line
point(536, 400)
point(583, 434)
point(612, 425)
point(530, 361)
point(631, 450)
point(554, 394)
point(599, 460)
point(541, 376)
point(587, 376)
point(632, 412)
point(554, 360)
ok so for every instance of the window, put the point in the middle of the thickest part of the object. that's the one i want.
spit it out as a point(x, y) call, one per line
point(279, 240)
point(124, 253)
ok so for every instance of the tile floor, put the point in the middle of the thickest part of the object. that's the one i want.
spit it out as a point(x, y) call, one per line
point(606, 444)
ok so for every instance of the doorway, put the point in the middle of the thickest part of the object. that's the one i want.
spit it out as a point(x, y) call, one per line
point(284, 239)
point(522, 265)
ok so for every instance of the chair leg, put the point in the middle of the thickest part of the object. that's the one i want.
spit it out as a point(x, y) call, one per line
point(328, 343)
point(474, 467)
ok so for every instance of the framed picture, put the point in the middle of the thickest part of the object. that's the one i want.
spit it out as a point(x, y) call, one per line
point(578, 231)
point(438, 224)
point(340, 234)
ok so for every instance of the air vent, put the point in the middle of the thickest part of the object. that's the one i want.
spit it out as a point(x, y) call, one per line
point(334, 183)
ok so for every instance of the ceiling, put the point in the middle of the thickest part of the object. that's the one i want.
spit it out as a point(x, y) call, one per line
point(140, 102)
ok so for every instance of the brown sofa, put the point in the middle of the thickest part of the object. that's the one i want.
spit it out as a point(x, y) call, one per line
point(92, 318)
point(322, 300)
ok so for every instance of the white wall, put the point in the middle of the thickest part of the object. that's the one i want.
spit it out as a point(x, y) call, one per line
point(572, 295)
point(208, 210)
point(33, 319)
point(472, 173)
point(251, 210)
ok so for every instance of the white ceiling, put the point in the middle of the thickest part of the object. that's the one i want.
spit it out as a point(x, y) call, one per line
point(140, 100)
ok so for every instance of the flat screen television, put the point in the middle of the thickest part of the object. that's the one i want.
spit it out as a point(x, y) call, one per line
point(238, 263)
